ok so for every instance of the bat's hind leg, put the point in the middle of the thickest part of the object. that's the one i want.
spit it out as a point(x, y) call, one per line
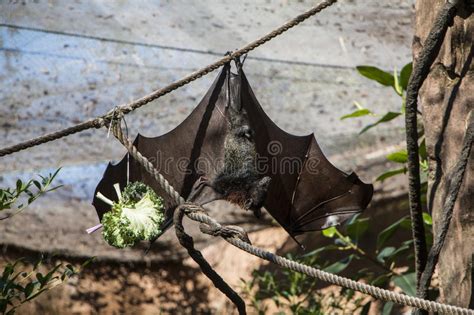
point(203, 192)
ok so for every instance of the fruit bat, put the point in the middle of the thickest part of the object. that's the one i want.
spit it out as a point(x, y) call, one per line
point(228, 148)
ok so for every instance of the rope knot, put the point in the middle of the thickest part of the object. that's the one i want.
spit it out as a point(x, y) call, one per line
point(113, 117)
point(226, 232)
point(212, 227)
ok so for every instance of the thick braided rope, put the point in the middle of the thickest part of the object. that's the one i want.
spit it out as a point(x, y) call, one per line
point(127, 108)
point(93, 123)
point(378, 293)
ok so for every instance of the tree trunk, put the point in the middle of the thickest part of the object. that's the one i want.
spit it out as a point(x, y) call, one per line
point(446, 99)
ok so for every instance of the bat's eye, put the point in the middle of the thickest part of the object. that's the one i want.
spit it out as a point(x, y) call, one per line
point(245, 132)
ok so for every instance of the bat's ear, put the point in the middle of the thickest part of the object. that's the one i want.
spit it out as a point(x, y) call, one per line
point(239, 64)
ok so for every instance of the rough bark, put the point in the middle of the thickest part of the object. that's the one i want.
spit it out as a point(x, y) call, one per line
point(446, 98)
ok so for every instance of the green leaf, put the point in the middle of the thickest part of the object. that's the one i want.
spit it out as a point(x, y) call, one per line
point(339, 266)
point(19, 185)
point(353, 219)
point(49, 275)
point(357, 229)
point(357, 113)
point(376, 74)
point(387, 308)
point(406, 282)
point(329, 232)
point(37, 184)
point(38, 263)
point(7, 272)
point(388, 232)
point(387, 117)
point(398, 157)
point(29, 289)
point(384, 253)
point(40, 278)
point(406, 224)
point(427, 218)
point(399, 250)
point(405, 75)
point(391, 173)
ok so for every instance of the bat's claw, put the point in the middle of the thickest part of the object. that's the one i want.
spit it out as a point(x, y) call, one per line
point(203, 192)
point(248, 204)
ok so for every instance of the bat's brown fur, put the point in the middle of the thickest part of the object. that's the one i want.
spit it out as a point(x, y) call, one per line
point(239, 181)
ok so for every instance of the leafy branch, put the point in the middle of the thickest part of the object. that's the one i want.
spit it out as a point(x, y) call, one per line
point(25, 193)
point(17, 285)
point(399, 82)
point(387, 258)
point(20, 287)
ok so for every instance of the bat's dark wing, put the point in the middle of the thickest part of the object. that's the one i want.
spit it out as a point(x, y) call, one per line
point(307, 192)
point(182, 155)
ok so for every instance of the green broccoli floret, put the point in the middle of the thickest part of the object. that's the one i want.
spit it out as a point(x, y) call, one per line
point(137, 216)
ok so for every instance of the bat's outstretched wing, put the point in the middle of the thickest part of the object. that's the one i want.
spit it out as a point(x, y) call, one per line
point(307, 192)
point(183, 155)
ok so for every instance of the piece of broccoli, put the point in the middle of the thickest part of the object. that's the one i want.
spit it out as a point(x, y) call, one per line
point(137, 215)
